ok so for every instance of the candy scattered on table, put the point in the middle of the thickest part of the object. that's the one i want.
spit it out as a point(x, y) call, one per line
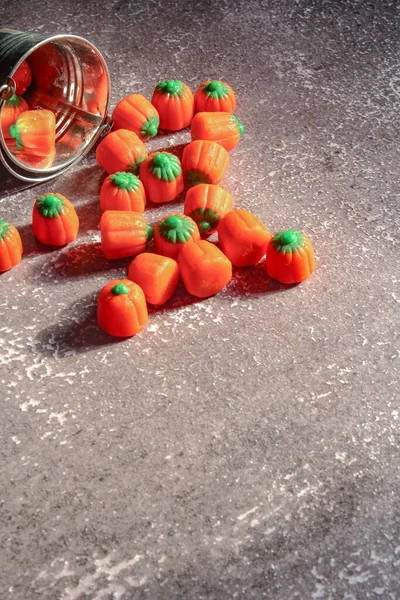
point(121, 150)
point(173, 232)
point(137, 114)
point(161, 175)
point(134, 176)
point(204, 162)
point(124, 233)
point(157, 275)
point(54, 220)
point(220, 127)
point(215, 96)
point(10, 246)
point(122, 191)
point(121, 308)
point(206, 204)
point(174, 102)
point(290, 257)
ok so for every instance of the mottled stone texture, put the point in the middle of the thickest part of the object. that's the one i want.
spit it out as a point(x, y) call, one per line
point(246, 446)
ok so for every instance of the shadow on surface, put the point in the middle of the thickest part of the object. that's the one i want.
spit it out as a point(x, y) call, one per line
point(254, 281)
point(74, 335)
point(80, 262)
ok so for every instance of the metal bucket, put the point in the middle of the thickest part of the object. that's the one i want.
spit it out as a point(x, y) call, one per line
point(70, 78)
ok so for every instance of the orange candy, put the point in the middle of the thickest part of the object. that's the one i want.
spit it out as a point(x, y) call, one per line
point(124, 233)
point(121, 150)
point(161, 175)
point(122, 191)
point(54, 220)
point(137, 114)
point(219, 127)
point(174, 232)
point(10, 112)
point(204, 269)
point(290, 257)
point(204, 162)
point(157, 275)
point(174, 102)
point(243, 238)
point(215, 96)
point(35, 132)
point(121, 308)
point(10, 246)
point(206, 204)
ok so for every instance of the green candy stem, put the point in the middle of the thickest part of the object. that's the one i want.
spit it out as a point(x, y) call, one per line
point(13, 101)
point(205, 218)
point(150, 127)
point(5, 227)
point(288, 241)
point(165, 166)
point(125, 181)
point(239, 125)
point(15, 133)
point(216, 89)
point(175, 229)
point(171, 87)
point(50, 206)
point(149, 232)
point(119, 289)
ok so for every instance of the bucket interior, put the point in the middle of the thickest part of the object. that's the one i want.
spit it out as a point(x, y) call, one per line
point(69, 85)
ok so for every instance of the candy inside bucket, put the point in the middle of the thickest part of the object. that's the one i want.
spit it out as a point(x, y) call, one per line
point(58, 107)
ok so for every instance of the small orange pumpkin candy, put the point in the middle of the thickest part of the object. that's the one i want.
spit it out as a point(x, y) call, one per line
point(122, 191)
point(161, 175)
point(174, 232)
point(157, 275)
point(124, 233)
point(137, 114)
point(290, 257)
point(10, 246)
point(121, 308)
point(204, 269)
point(10, 112)
point(206, 204)
point(215, 96)
point(121, 150)
point(220, 127)
point(22, 78)
point(174, 102)
point(35, 132)
point(54, 220)
point(204, 162)
point(37, 162)
point(243, 238)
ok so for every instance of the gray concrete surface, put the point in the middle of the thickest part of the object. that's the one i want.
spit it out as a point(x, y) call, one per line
point(246, 446)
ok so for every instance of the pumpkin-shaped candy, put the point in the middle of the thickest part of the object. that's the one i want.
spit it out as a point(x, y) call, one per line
point(121, 308)
point(137, 114)
point(174, 102)
point(204, 162)
point(215, 96)
point(157, 275)
point(204, 269)
point(173, 232)
point(206, 204)
point(54, 220)
point(290, 257)
point(243, 238)
point(124, 233)
point(10, 246)
point(121, 150)
point(122, 191)
point(10, 112)
point(161, 175)
point(35, 132)
point(220, 127)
